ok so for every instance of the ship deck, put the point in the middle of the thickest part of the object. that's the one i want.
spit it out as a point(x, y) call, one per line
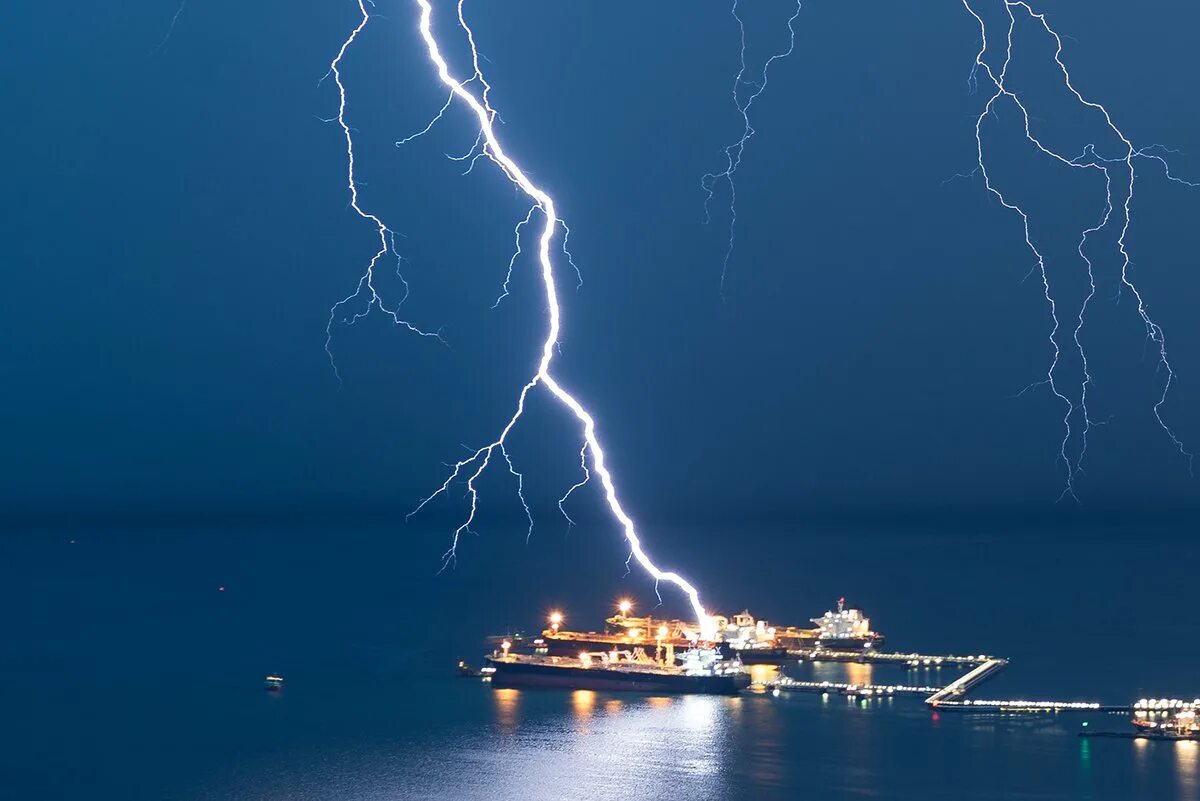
point(573, 662)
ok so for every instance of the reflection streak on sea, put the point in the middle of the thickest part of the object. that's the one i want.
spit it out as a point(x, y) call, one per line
point(608, 742)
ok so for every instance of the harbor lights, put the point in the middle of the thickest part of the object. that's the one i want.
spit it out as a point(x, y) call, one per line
point(666, 657)
point(625, 606)
point(556, 620)
point(504, 646)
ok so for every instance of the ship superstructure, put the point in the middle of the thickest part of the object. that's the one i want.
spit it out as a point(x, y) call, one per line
point(756, 641)
point(1167, 718)
point(846, 630)
point(623, 631)
point(753, 640)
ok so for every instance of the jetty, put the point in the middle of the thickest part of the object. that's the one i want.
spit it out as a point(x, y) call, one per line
point(950, 697)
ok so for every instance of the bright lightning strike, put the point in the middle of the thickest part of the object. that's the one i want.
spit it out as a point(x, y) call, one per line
point(488, 144)
point(745, 91)
point(1075, 405)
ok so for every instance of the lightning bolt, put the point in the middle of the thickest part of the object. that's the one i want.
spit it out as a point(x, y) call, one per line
point(1088, 160)
point(171, 27)
point(365, 293)
point(745, 92)
point(488, 145)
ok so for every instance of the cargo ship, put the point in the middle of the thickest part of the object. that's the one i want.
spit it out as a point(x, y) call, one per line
point(1167, 719)
point(623, 631)
point(753, 641)
point(702, 671)
point(742, 636)
point(846, 630)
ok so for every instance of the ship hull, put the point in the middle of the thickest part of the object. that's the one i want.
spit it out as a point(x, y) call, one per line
point(851, 643)
point(760, 656)
point(520, 674)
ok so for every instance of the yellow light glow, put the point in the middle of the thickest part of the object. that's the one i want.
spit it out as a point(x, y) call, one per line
point(662, 632)
point(625, 606)
point(556, 618)
point(583, 702)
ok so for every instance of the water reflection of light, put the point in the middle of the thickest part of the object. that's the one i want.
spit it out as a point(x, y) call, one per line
point(507, 703)
point(1187, 760)
point(625, 746)
point(858, 673)
point(761, 673)
point(841, 672)
point(699, 710)
point(583, 703)
point(763, 742)
point(734, 707)
point(1085, 760)
point(1139, 755)
point(636, 744)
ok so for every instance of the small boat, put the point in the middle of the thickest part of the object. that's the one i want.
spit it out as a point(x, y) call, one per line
point(273, 684)
point(465, 671)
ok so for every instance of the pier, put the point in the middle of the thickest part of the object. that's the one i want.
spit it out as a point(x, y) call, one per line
point(1017, 705)
point(950, 697)
point(786, 683)
point(966, 681)
point(982, 667)
point(885, 657)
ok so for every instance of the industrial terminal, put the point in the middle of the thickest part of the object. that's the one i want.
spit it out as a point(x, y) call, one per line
point(645, 654)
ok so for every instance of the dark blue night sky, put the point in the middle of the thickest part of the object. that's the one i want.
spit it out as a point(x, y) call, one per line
point(175, 226)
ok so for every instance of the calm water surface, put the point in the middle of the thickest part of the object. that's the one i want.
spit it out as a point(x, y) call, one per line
point(128, 673)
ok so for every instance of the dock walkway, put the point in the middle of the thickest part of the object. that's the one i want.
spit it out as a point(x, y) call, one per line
point(886, 657)
point(949, 697)
point(966, 681)
point(845, 688)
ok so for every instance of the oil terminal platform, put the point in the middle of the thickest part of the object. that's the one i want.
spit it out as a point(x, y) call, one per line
point(950, 697)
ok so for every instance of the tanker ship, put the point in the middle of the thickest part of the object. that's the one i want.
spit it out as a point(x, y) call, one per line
point(753, 641)
point(846, 630)
point(701, 671)
point(623, 631)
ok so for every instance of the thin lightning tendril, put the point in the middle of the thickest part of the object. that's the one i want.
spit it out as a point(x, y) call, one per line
point(473, 466)
point(520, 492)
point(429, 126)
point(1088, 160)
point(366, 283)
point(171, 27)
point(587, 476)
point(516, 253)
point(734, 151)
